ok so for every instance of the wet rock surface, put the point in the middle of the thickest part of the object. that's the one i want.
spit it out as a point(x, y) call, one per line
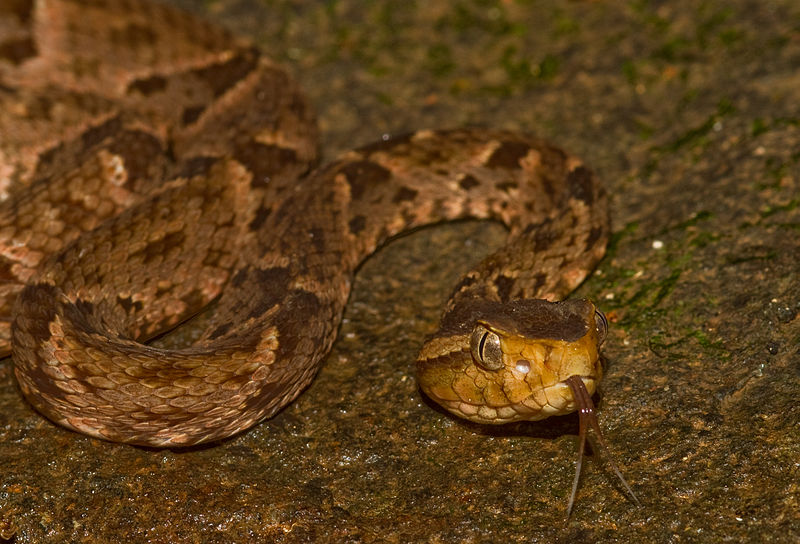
point(690, 114)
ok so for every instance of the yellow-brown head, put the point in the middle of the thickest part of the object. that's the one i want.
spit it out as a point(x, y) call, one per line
point(497, 362)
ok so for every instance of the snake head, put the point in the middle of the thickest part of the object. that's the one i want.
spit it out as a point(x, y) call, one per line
point(494, 362)
point(497, 362)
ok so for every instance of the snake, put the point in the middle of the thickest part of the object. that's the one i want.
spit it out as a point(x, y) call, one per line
point(152, 164)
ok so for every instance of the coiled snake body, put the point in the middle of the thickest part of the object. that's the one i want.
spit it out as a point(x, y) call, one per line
point(173, 172)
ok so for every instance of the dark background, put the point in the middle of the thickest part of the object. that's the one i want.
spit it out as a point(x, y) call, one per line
point(690, 113)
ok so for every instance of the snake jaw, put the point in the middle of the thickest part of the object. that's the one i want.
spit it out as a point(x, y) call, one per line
point(588, 418)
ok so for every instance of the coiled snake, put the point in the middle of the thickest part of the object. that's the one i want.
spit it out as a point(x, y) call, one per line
point(150, 164)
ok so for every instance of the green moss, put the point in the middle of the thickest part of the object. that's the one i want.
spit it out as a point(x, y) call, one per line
point(710, 24)
point(440, 60)
point(630, 71)
point(704, 238)
point(643, 301)
point(697, 135)
point(694, 220)
point(484, 15)
point(517, 69)
point(645, 131)
point(647, 17)
point(686, 345)
point(673, 50)
point(731, 37)
point(758, 127)
point(649, 295)
point(548, 68)
point(772, 210)
point(385, 98)
point(566, 25)
point(614, 241)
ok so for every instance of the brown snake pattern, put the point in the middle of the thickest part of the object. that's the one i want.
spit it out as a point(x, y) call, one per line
point(150, 164)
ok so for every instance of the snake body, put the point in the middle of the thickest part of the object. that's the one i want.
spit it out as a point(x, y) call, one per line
point(175, 172)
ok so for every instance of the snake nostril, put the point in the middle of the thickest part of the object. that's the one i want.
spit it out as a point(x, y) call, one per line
point(523, 366)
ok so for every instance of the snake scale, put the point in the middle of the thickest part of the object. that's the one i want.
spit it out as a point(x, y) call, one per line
point(151, 163)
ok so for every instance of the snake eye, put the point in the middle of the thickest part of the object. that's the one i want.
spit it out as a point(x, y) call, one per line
point(485, 347)
point(601, 323)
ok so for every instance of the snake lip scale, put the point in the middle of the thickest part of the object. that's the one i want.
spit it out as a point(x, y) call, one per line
point(151, 163)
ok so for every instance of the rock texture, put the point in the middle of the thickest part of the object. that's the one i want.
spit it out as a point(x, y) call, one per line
point(690, 112)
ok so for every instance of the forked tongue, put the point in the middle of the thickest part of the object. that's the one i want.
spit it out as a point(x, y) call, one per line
point(588, 418)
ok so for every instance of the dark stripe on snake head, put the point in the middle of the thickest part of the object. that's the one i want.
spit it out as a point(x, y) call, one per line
point(508, 155)
point(362, 174)
point(533, 318)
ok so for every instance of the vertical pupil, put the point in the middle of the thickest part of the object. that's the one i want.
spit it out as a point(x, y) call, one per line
point(482, 344)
